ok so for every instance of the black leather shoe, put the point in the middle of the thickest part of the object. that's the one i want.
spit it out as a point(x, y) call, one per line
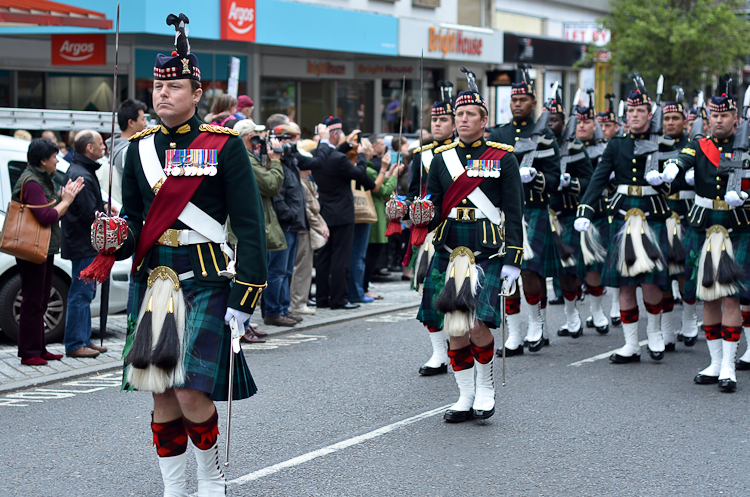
point(616, 321)
point(578, 333)
point(727, 385)
point(563, 332)
point(590, 322)
point(670, 347)
point(556, 301)
point(602, 330)
point(621, 359)
point(689, 341)
point(741, 365)
point(428, 371)
point(457, 416)
point(657, 356)
point(702, 379)
point(679, 337)
point(536, 346)
point(484, 414)
point(546, 342)
point(510, 352)
point(347, 306)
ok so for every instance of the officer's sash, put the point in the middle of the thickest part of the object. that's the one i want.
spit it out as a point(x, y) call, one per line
point(710, 151)
point(173, 196)
point(464, 186)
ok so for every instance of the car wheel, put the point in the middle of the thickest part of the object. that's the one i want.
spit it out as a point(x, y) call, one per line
point(54, 318)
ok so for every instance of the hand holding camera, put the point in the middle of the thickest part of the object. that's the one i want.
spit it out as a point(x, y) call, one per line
point(322, 131)
point(274, 153)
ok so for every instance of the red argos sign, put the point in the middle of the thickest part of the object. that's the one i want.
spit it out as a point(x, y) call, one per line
point(79, 50)
point(238, 20)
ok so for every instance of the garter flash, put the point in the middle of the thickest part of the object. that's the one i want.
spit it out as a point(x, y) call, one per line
point(718, 275)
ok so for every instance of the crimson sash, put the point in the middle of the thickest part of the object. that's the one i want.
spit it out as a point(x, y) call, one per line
point(710, 151)
point(464, 185)
point(173, 197)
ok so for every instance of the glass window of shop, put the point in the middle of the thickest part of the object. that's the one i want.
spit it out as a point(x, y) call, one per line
point(83, 92)
point(392, 96)
point(354, 104)
point(30, 90)
point(4, 88)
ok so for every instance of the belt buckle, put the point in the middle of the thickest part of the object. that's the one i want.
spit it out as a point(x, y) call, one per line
point(465, 214)
point(674, 196)
point(170, 238)
point(635, 191)
point(720, 205)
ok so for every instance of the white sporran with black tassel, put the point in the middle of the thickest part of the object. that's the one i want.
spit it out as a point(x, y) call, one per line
point(677, 253)
point(458, 301)
point(565, 252)
point(422, 265)
point(156, 358)
point(528, 254)
point(638, 248)
point(718, 275)
point(591, 246)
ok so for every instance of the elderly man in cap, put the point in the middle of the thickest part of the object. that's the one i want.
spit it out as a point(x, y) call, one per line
point(245, 107)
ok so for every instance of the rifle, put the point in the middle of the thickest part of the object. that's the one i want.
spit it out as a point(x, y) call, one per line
point(569, 138)
point(696, 132)
point(740, 157)
point(621, 116)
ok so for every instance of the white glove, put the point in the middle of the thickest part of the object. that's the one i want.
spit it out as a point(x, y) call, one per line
point(239, 315)
point(581, 224)
point(654, 178)
point(565, 180)
point(690, 177)
point(670, 173)
point(735, 200)
point(612, 175)
point(510, 272)
point(527, 174)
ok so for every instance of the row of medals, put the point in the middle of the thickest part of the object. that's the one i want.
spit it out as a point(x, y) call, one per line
point(193, 162)
point(483, 168)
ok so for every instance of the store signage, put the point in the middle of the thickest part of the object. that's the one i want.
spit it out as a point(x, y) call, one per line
point(587, 32)
point(542, 51)
point(79, 50)
point(453, 41)
point(298, 67)
point(238, 20)
point(321, 68)
point(385, 70)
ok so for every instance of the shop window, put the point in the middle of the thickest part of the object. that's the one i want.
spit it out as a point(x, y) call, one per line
point(317, 99)
point(278, 97)
point(4, 88)
point(30, 90)
point(392, 96)
point(354, 102)
point(83, 92)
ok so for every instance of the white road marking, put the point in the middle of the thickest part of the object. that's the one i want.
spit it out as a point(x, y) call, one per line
point(392, 318)
point(602, 356)
point(275, 343)
point(256, 475)
point(39, 395)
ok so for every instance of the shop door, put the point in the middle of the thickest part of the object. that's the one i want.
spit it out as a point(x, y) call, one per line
point(317, 101)
point(278, 97)
point(354, 105)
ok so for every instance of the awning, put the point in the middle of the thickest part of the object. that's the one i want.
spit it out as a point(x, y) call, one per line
point(46, 13)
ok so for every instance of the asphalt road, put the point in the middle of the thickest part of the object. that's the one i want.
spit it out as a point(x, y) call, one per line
point(595, 429)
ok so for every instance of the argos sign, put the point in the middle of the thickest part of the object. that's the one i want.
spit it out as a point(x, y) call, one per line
point(79, 50)
point(238, 20)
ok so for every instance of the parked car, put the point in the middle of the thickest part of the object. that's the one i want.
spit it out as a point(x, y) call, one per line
point(12, 163)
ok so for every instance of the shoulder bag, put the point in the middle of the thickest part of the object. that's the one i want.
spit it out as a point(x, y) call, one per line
point(23, 236)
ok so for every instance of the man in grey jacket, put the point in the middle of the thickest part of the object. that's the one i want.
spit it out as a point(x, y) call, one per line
point(131, 117)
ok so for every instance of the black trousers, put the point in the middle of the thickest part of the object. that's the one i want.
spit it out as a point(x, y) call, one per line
point(36, 285)
point(375, 252)
point(332, 267)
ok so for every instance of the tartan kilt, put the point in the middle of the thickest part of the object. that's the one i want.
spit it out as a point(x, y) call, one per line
point(693, 242)
point(601, 224)
point(539, 232)
point(681, 207)
point(572, 238)
point(462, 234)
point(207, 338)
point(611, 277)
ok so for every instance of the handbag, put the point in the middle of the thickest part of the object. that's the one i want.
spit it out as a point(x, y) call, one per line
point(317, 241)
point(23, 236)
point(364, 207)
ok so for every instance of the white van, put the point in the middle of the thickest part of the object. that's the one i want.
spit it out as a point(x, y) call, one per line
point(12, 163)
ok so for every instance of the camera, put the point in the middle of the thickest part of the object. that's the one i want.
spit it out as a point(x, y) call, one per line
point(287, 149)
point(256, 141)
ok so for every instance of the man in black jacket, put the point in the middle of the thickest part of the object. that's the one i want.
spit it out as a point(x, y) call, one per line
point(76, 242)
point(337, 208)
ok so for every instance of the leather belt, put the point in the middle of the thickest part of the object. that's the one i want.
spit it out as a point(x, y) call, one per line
point(177, 238)
point(636, 190)
point(467, 214)
point(713, 204)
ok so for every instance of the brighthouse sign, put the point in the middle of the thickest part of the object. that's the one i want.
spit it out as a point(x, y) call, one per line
point(449, 42)
point(79, 50)
point(238, 20)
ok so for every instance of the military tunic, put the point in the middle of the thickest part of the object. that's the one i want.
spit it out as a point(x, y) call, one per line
point(479, 235)
point(415, 187)
point(619, 157)
point(231, 192)
point(536, 193)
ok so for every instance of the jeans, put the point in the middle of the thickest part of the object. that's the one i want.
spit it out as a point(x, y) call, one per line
point(280, 270)
point(357, 266)
point(78, 314)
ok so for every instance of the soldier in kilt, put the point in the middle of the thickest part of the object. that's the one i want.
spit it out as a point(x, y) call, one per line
point(590, 262)
point(718, 241)
point(443, 127)
point(187, 291)
point(539, 166)
point(576, 172)
point(476, 190)
point(638, 235)
point(679, 203)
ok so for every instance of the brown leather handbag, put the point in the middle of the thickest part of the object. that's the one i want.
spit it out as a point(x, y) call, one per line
point(23, 236)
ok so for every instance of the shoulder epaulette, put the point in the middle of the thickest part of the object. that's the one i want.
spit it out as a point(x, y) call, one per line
point(145, 132)
point(424, 147)
point(222, 130)
point(501, 146)
point(446, 147)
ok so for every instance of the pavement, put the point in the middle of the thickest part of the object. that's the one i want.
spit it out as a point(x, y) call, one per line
point(14, 375)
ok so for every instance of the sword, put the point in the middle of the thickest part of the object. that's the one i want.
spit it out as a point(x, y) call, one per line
point(421, 113)
point(104, 305)
point(401, 123)
point(234, 348)
point(505, 291)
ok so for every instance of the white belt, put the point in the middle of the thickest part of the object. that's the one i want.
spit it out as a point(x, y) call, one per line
point(687, 194)
point(458, 213)
point(176, 238)
point(716, 205)
point(182, 277)
point(636, 190)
